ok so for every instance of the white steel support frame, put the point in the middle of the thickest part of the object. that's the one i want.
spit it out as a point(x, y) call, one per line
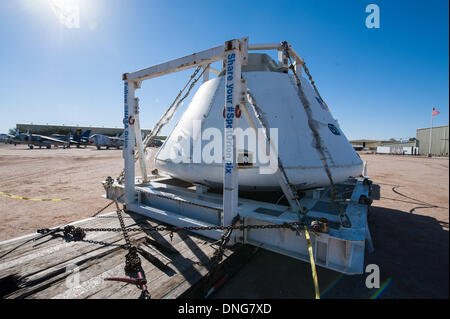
point(233, 63)
point(129, 140)
point(140, 145)
point(132, 132)
point(341, 250)
point(234, 53)
point(206, 74)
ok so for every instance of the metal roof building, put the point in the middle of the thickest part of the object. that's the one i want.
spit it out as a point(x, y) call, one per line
point(64, 129)
point(439, 140)
point(364, 143)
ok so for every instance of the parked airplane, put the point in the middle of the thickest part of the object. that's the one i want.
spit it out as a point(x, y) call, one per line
point(116, 141)
point(6, 138)
point(157, 143)
point(80, 138)
point(107, 141)
point(37, 140)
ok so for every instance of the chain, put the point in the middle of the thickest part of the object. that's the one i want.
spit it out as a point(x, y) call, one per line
point(76, 233)
point(122, 226)
point(291, 66)
point(108, 179)
point(167, 116)
point(291, 225)
point(132, 260)
point(218, 254)
point(71, 230)
point(313, 84)
point(306, 105)
point(175, 104)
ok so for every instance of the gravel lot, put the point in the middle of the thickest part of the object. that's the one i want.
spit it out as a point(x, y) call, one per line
point(409, 227)
point(74, 173)
point(409, 222)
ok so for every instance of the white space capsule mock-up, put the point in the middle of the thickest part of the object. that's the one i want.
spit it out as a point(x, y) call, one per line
point(193, 151)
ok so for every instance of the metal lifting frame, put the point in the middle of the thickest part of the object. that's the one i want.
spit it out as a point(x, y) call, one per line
point(234, 53)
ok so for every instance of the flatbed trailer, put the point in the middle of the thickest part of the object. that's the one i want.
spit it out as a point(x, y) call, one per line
point(340, 248)
point(342, 208)
point(54, 267)
point(326, 226)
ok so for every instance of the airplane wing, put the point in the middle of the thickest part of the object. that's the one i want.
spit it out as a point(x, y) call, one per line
point(74, 141)
point(52, 139)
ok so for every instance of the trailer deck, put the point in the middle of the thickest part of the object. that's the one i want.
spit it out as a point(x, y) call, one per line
point(54, 267)
point(340, 248)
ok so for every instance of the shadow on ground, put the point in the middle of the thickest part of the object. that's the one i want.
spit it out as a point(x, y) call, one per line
point(411, 250)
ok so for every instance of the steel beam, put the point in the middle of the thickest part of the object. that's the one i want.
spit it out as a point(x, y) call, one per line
point(200, 58)
point(129, 141)
point(233, 63)
point(271, 46)
point(140, 146)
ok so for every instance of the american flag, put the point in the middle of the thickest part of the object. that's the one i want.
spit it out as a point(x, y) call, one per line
point(435, 112)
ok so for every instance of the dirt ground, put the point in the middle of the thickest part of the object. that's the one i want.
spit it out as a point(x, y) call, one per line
point(409, 227)
point(409, 221)
point(74, 173)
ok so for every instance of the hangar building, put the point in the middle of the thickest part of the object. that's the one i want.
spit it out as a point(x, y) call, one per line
point(439, 140)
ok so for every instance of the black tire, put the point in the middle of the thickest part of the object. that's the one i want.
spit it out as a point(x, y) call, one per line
point(98, 147)
point(31, 147)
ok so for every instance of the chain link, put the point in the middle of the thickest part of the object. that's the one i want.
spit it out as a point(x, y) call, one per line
point(168, 115)
point(305, 103)
point(291, 225)
point(132, 260)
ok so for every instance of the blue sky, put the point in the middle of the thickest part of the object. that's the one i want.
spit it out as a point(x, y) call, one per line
point(379, 83)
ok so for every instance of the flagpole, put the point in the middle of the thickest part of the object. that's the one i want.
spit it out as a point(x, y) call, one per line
point(431, 132)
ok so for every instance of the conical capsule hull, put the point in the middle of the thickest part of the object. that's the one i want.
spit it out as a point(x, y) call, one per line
point(308, 139)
